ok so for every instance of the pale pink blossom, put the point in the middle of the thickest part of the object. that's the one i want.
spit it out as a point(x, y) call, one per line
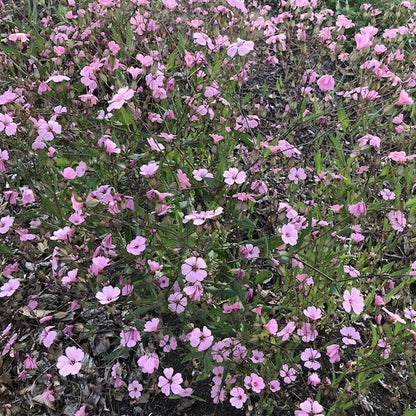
point(9, 288)
point(119, 99)
point(241, 47)
point(238, 397)
point(70, 363)
point(137, 246)
point(353, 300)
point(108, 295)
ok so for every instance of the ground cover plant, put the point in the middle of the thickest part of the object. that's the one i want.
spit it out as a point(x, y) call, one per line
point(207, 207)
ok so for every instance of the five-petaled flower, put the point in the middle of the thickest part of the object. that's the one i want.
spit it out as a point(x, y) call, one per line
point(70, 363)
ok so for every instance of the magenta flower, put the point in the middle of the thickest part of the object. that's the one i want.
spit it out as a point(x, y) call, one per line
point(193, 269)
point(201, 340)
point(326, 83)
point(238, 397)
point(351, 335)
point(170, 382)
point(109, 295)
point(5, 224)
point(148, 363)
point(135, 389)
point(9, 288)
point(353, 300)
point(289, 234)
point(119, 99)
point(70, 363)
point(241, 47)
point(233, 175)
point(310, 408)
point(137, 246)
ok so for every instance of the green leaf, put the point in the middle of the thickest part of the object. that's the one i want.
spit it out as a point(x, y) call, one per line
point(6, 251)
point(343, 118)
point(262, 275)
point(411, 412)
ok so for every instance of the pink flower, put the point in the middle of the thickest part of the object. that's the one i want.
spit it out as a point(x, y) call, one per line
point(353, 300)
point(274, 386)
point(310, 408)
point(193, 271)
point(358, 210)
point(362, 41)
point(254, 382)
point(289, 375)
point(109, 295)
point(9, 288)
point(397, 220)
point(238, 397)
point(137, 246)
point(351, 271)
point(271, 327)
point(152, 325)
point(404, 99)
point(387, 194)
point(4, 155)
point(47, 336)
point(287, 331)
point(233, 175)
point(170, 382)
point(241, 47)
point(63, 234)
point(326, 83)
point(296, 174)
point(313, 313)
point(68, 174)
point(130, 338)
point(99, 263)
point(119, 99)
point(148, 363)
point(177, 302)
point(249, 251)
point(289, 234)
point(5, 224)
point(7, 124)
point(200, 174)
point(350, 334)
point(332, 351)
point(149, 170)
point(135, 389)
point(238, 4)
point(310, 357)
point(201, 340)
point(70, 363)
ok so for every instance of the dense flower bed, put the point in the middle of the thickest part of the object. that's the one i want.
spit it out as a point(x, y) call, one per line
point(206, 193)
